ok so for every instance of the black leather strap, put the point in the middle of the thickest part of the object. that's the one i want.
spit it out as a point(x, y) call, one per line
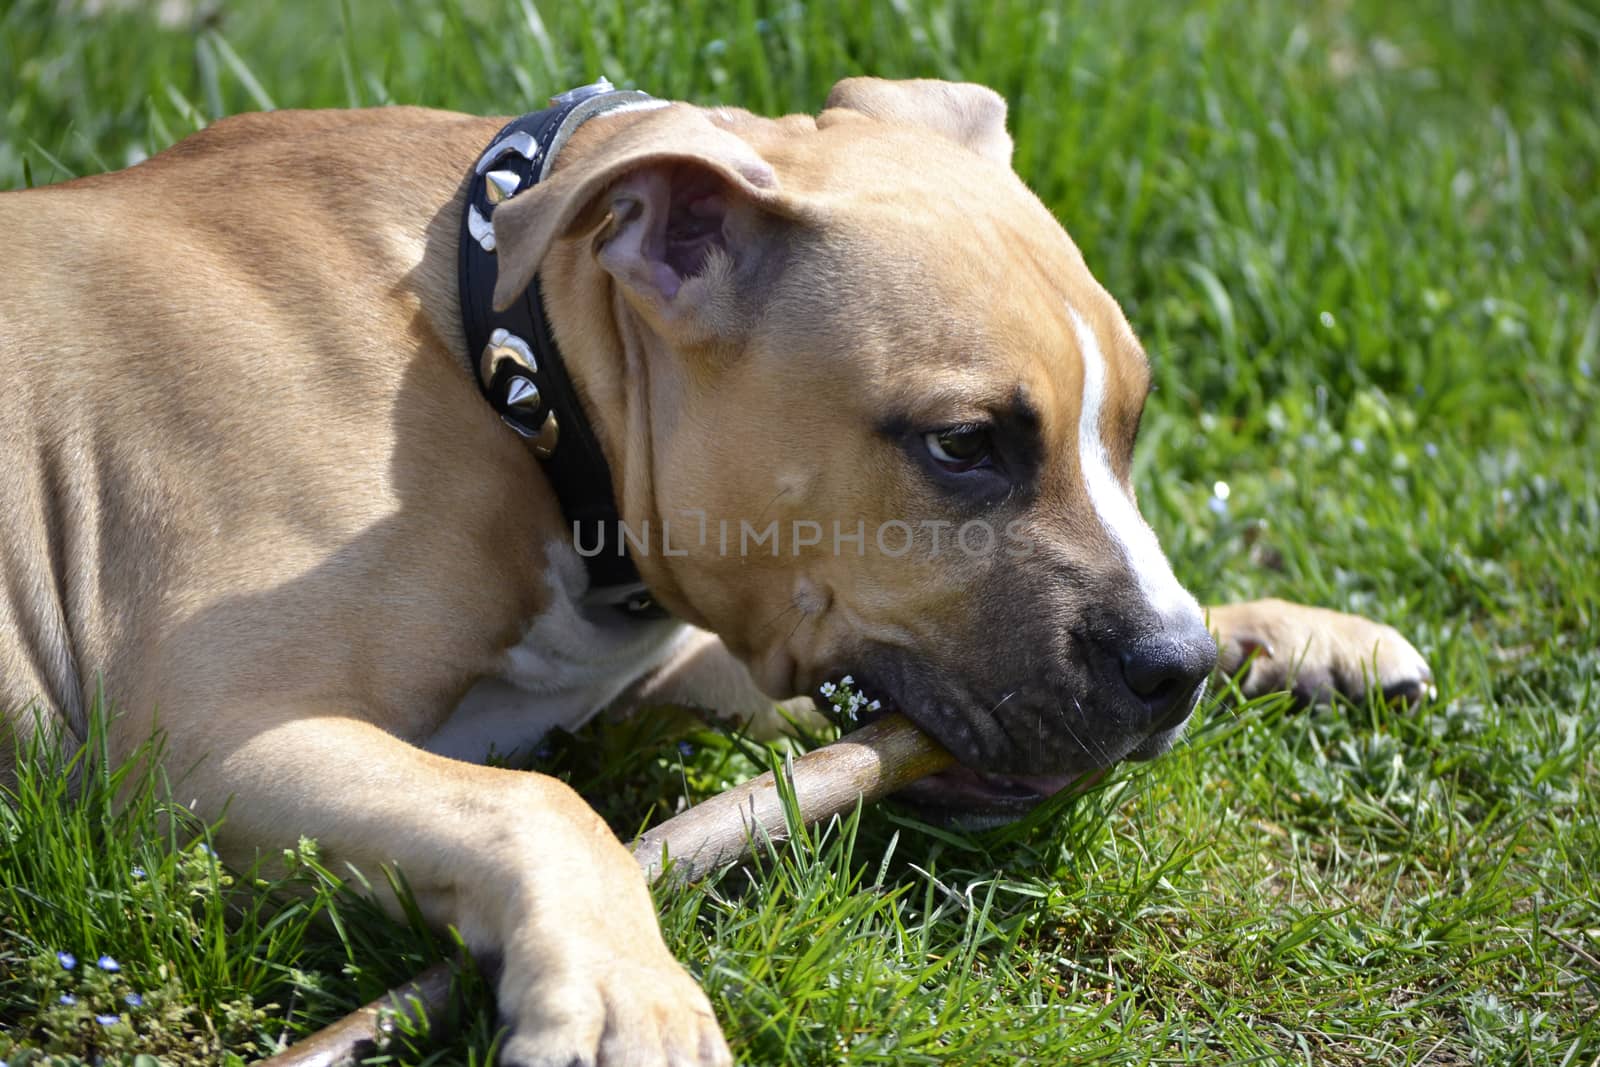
point(513, 354)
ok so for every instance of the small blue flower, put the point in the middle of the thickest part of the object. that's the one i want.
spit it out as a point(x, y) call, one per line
point(67, 960)
point(138, 874)
point(1218, 506)
point(108, 1020)
point(685, 748)
point(67, 1000)
point(1430, 450)
point(133, 1000)
point(106, 963)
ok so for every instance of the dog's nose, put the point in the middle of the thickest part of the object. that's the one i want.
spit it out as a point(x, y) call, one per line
point(1164, 670)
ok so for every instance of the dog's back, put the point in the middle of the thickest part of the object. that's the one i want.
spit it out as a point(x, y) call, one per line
point(39, 682)
point(199, 354)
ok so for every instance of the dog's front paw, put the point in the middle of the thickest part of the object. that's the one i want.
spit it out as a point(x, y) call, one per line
point(1316, 654)
point(597, 1009)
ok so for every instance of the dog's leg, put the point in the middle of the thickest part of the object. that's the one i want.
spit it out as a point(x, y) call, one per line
point(704, 674)
point(517, 862)
point(1316, 654)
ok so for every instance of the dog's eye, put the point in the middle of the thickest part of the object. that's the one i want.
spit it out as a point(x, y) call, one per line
point(959, 448)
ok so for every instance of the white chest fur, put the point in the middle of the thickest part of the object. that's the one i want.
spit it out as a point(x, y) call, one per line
point(572, 662)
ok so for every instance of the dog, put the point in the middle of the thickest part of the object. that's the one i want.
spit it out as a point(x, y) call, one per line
point(258, 483)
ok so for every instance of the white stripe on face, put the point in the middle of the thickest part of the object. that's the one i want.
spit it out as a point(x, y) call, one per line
point(1133, 536)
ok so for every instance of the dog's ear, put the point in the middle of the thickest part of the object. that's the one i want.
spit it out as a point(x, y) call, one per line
point(665, 188)
point(970, 115)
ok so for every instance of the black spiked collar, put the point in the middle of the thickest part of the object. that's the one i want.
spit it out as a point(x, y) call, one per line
point(513, 354)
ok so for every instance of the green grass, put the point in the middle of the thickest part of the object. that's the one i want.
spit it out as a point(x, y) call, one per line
point(1362, 241)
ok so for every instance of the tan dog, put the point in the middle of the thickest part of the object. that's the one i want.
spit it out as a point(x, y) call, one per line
point(249, 481)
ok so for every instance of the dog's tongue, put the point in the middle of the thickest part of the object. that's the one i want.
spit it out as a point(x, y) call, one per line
point(962, 787)
point(1047, 785)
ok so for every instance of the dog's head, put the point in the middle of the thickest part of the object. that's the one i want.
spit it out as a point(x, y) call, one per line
point(885, 415)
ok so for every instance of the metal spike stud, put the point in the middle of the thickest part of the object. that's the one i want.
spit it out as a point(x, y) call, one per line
point(544, 445)
point(501, 185)
point(583, 92)
point(521, 393)
point(521, 142)
point(480, 229)
point(504, 345)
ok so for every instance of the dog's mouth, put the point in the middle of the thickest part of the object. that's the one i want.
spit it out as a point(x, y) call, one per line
point(959, 796)
point(972, 800)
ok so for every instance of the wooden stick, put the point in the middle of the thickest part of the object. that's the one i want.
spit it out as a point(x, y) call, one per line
point(859, 768)
point(357, 1035)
